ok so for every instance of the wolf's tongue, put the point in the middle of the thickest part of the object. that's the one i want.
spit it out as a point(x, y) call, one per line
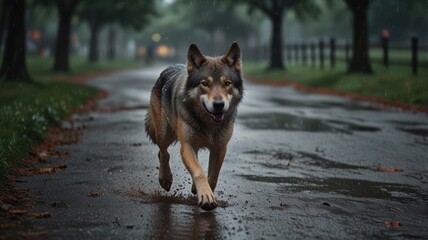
point(218, 117)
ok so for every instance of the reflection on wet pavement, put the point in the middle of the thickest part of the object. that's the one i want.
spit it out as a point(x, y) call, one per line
point(325, 163)
point(416, 131)
point(346, 105)
point(285, 121)
point(348, 187)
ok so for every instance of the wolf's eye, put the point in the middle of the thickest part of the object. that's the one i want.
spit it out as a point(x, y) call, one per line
point(227, 83)
point(204, 83)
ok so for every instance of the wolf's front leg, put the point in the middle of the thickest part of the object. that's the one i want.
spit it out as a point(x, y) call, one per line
point(206, 199)
point(216, 161)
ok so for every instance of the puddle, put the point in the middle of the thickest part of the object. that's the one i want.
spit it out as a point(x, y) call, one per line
point(412, 127)
point(316, 160)
point(285, 121)
point(348, 187)
point(324, 104)
point(285, 158)
point(355, 127)
point(416, 131)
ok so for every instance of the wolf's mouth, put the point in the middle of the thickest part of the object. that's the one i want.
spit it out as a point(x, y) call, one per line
point(218, 117)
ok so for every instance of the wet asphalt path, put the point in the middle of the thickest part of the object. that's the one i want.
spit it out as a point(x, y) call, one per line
point(299, 166)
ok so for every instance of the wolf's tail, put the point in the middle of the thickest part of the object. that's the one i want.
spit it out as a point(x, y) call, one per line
point(150, 129)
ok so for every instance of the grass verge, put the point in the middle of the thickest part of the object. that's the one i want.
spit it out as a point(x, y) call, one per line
point(395, 83)
point(28, 110)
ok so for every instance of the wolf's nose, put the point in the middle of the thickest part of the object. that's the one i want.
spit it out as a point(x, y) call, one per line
point(218, 105)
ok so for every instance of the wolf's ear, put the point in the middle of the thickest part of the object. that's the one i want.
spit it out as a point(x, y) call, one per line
point(195, 59)
point(233, 57)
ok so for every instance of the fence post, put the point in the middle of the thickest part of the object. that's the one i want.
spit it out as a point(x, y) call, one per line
point(296, 53)
point(288, 49)
point(304, 53)
point(415, 55)
point(332, 53)
point(347, 48)
point(321, 53)
point(385, 40)
point(312, 47)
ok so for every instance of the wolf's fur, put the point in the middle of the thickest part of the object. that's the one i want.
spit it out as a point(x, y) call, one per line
point(196, 105)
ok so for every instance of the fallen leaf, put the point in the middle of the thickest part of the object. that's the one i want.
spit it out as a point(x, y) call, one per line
point(392, 224)
point(22, 190)
point(39, 215)
point(18, 211)
point(44, 170)
point(386, 169)
point(32, 234)
point(94, 194)
point(7, 225)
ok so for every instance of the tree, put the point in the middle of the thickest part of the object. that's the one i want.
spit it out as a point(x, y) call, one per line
point(135, 15)
point(274, 10)
point(360, 62)
point(14, 67)
point(5, 11)
point(62, 45)
point(222, 23)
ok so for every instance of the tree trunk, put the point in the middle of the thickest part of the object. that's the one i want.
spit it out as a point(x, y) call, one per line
point(111, 53)
point(93, 42)
point(4, 19)
point(360, 62)
point(14, 67)
point(62, 45)
point(276, 61)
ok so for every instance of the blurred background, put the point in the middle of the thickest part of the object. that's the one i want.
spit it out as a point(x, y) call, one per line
point(153, 31)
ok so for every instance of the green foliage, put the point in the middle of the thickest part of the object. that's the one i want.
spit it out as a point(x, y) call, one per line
point(212, 16)
point(393, 83)
point(135, 14)
point(303, 9)
point(28, 110)
point(40, 67)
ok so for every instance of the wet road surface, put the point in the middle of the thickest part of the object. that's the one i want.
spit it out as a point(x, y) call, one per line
point(298, 166)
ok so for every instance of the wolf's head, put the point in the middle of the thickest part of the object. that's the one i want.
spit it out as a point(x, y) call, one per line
point(215, 82)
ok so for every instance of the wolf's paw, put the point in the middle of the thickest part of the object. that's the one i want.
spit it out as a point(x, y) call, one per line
point(207, 201)
point(165, 180)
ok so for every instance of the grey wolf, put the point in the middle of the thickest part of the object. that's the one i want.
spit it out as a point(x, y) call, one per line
point(196, 105)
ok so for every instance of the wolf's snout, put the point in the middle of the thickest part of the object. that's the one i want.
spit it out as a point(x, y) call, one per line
point(218, 105)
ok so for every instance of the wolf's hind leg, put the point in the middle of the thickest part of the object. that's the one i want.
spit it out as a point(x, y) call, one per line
point(165, 174)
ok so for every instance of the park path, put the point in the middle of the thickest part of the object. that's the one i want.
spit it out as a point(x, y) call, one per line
point(299, 166)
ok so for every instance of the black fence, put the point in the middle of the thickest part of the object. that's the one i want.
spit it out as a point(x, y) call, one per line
point(317, 54)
